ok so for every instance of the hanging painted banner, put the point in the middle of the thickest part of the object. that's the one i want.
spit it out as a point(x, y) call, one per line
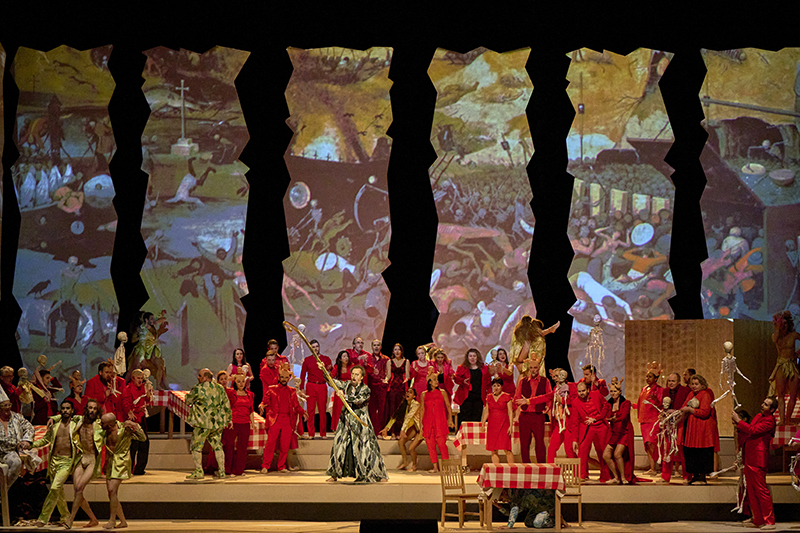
point(62, 279)
point(194, 215)
point(480, 185)
point(622, 202)
point(337, 206)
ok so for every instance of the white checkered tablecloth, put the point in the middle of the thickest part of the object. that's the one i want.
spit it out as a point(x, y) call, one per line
point(521, 476)
point(783, 434)
point(258, 436)
point(177, 403)
point(472, 433)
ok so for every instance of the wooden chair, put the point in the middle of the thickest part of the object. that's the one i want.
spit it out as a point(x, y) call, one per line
point(452, 478)
point(4, 495)
point(571, 472)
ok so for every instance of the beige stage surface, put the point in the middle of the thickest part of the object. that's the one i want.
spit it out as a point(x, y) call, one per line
point(235, 526)
point(402, 487)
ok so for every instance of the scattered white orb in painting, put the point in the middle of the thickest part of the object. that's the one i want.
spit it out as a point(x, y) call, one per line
point(642, 234)
point(300, 195)
point(371, 180)
point(76, 227)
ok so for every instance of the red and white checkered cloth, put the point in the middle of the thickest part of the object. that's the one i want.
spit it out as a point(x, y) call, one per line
point(473, 433)
point(795, 412)
point(177, 403)
point(521, 476)
point(783, 435)
point(44, 451)
point(161, 398)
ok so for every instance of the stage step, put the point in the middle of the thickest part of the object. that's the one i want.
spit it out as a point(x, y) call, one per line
point(170, 454)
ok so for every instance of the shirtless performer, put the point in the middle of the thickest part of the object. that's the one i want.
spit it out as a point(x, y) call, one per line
point(118, 437)
point(60, 430)
point(89, 442)
point(786, 376)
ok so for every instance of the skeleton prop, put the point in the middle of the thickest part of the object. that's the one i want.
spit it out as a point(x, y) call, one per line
point(668, 432)
point(560, 410)
point(728, 371)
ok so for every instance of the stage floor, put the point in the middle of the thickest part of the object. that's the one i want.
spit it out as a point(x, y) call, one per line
point(235, 526)
point(402, 488)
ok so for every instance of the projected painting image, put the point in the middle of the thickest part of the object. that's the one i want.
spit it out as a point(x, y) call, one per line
point(337, 206)
point(751, 101)
point(62, 280)
point(480, 132)
point(195, 210)
point(2, 133)
point(622, 202)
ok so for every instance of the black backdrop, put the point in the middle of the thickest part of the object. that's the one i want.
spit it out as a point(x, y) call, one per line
point(266, 29)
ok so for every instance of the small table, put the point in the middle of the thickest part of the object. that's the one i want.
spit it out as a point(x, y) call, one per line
point(175, 401)
point(474, 433)
point(516, 476)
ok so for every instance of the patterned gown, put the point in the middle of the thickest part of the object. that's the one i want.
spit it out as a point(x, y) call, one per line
point(355, 452)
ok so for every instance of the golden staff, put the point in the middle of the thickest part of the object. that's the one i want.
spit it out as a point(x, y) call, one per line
point(291, 327)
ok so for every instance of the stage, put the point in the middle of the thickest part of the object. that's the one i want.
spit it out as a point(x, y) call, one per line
point(304, 495)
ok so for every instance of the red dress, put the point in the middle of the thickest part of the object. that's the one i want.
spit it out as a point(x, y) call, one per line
point(497, 437)
point(420, 376)
point(508, 382)
point(434, 424)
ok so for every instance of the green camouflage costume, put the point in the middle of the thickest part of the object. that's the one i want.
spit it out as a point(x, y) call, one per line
point(210, 413)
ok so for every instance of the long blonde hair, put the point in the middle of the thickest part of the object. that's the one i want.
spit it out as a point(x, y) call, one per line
point(528, 329)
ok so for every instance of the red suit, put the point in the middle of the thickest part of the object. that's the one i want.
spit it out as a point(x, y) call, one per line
point(377, 377)
point(280, 403)
point(755, 456)
point(131, 405)
point(598, 384)
point(596, 407)
point(648, 412)
point(532, 417)
point(96, 390)
point(312, 380)
point(434, 424)
point(239, 436)
point(557, 437)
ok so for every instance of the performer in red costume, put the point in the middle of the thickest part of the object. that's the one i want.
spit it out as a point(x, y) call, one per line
point(280, 402)
point(6, 382)
point(472, 378)
point(501, 368)
point(497, 417)
point(312, 380)
point(419, 371)
point(619, 452)
point(755, 455)
point(700, 430)
point(648, 406)
point(532, 416)
point(101, 389)
point(563, 420)
point(357, 351)
point(135, 399)
point(591, 410)
point(677, 394)
point(243, 422)
point(436, 418)
point(442, 365)
point(593, 382)
point(341, 371)
point(378, 375)
point(400, 369)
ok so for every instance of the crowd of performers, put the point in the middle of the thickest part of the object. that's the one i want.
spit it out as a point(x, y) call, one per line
point(391, 397)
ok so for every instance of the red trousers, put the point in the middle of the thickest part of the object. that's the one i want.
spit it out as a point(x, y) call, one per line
point(228, 436)
point(556, 438)
point(317, 398)
point(758, 495)
point(666, 467)
point(596, 434)
point(531, 425)
point(235, 448)
point(280, 435)
point(377, 405)
point(336, 412)
point(441, 443)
